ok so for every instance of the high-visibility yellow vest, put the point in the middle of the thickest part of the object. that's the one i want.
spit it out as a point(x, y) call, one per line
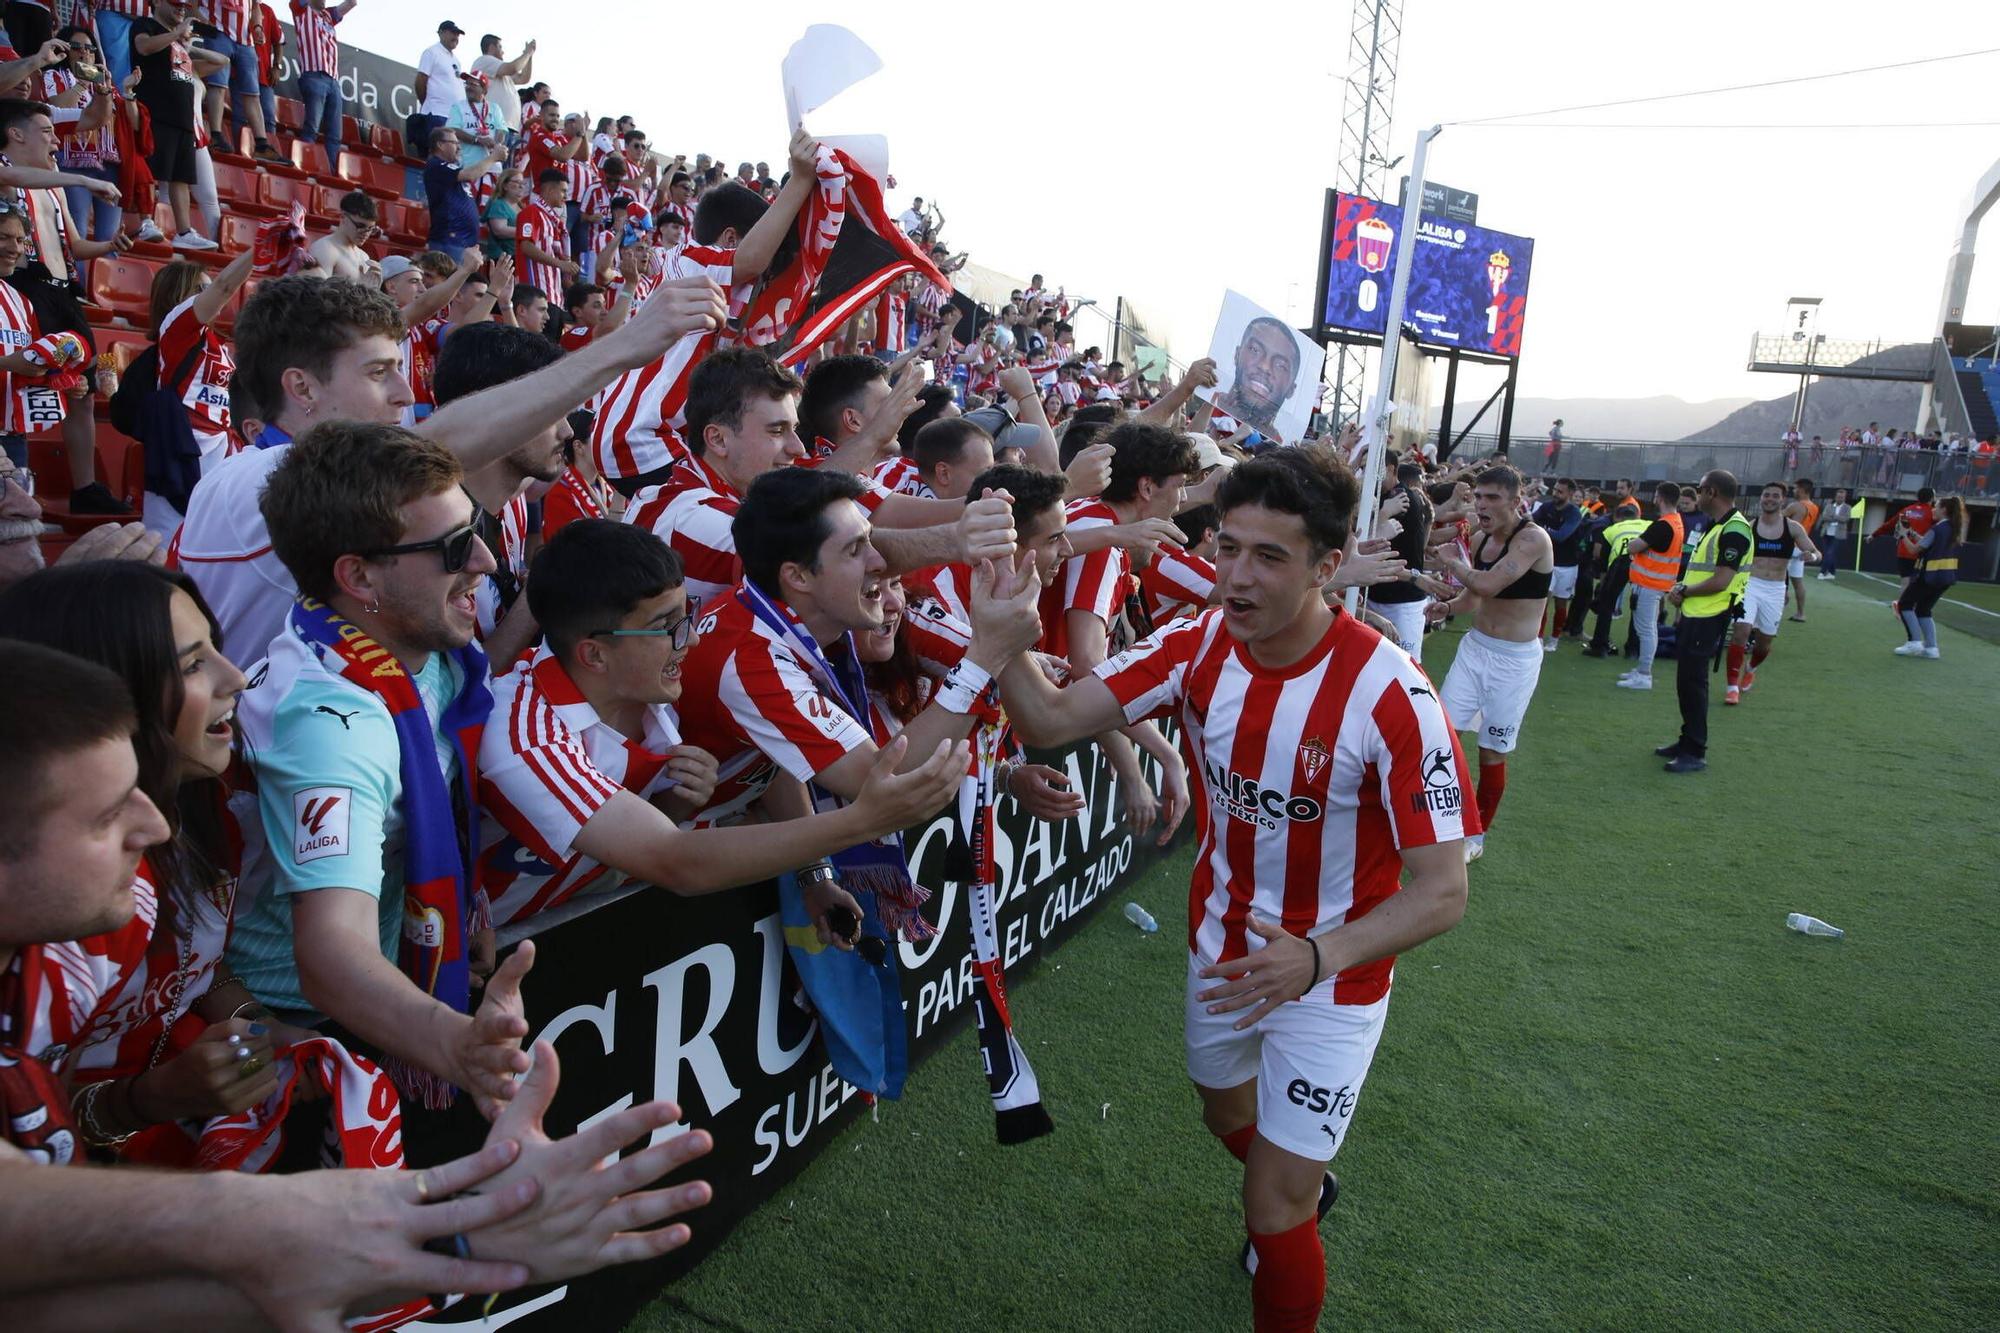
point(1659, 569)
point(1621, 532)
point(1703, 564)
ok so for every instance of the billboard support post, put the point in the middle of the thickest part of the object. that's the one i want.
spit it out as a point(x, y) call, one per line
point(1450, 394)
point(1375, 427)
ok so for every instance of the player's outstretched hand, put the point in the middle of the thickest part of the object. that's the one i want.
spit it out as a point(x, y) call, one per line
point(1044, 792)
point(1006, 620)
point(895, 801)
point(1141, 809)
point(1148, 535)
point(1282, 970)
point(1369, 563)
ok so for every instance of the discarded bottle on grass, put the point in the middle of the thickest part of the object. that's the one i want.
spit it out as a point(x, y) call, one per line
point(1141, 918)
point(1812, 925)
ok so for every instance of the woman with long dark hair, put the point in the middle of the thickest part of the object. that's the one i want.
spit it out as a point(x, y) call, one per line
point(150, 1025)
point(1937, 570)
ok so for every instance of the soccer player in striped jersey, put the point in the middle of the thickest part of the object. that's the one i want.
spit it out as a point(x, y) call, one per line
point(1326, 770)
point(582, 770)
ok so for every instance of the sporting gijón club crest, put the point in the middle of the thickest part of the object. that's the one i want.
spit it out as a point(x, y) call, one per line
point(1313, 757)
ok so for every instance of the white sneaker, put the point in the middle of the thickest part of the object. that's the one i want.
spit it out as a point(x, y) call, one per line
point(150, 231)
point(1635, 681)
point(1826, 578)
point(1475, 847)
point(1910, 649)
point(1930, 652)
point(1548, 645)
point(189, 240)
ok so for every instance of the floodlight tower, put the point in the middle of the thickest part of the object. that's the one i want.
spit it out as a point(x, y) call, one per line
point(1363, 167)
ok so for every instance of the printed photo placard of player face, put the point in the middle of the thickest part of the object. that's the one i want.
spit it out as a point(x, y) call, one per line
point(1266, 371)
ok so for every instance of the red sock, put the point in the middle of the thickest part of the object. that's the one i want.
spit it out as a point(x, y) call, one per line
point(1760, 652)
point(1492, 785)
point(1290, 1285)
point(1238, 1141)
point(1735, 662)
point(1561, 619)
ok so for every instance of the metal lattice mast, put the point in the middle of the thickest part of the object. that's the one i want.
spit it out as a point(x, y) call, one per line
point(1366, 114)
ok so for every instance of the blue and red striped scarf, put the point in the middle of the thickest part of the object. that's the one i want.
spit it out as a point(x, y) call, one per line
point(438, 908)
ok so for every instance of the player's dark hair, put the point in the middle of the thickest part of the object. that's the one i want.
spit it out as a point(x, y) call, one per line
point(833, 386)
point(482, 356)
point(1804, 485)
point(1506, 478)
point(15, 112)
point(722, 386)
point(783, 520)
point(549, 176)
point(1302, 480)
point(577, 293)
point(592, 573)
point(1141, 449)
point(1035, 493)
point(1407, 473)
point(1925, 495)
point(932, 400)
point(1667, 493)
point(56, 706)
point(727, 206)
point(945, 441)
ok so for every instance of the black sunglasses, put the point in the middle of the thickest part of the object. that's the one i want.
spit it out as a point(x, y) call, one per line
point(454, 548)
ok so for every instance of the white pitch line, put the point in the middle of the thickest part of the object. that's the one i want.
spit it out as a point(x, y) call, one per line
point(1877, 578)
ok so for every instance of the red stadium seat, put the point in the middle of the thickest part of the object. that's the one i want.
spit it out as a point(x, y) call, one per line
point(385, 140)
point(123, 285)
point(291, 114)
point(384, 180)
point(121, 344)
point(238, 188)
point(278, 193)
point(310, 158)
point(238, 233)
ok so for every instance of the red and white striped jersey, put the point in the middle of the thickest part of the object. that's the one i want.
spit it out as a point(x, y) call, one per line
point(692, 512)
point(540, 147)
point(937, 635)
point(80, 148)
point(1097, 582)
point(27, 405)
point(1176, 584)
point(205, 391)
point(547, 763)
point(548, 230)
point(899, 476)
point(111, 1003)
point(950, 585)
point(421, 345)
point(576, 337)
point(319, 49)
point(1312, 778)
point(586, 187)
point(761, 710)
point(640, 413)
point(233, 17)
point(512, 558)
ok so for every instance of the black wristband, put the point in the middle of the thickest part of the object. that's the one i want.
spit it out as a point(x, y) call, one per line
point(1316, 964)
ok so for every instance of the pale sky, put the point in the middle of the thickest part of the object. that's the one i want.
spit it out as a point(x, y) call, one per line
point(1167, 154)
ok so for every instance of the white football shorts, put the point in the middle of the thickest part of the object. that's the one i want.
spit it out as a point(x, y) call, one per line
point(1764, 605)
point(1562, 582)
point(1488, 688)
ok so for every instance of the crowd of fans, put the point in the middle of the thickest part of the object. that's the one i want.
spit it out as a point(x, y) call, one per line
point(468, 581)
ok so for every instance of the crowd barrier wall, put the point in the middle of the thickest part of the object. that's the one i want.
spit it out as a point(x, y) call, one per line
point(695, 1000)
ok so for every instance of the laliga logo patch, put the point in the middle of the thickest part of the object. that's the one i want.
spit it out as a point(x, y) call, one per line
point(319, 822)
point(1313, 758)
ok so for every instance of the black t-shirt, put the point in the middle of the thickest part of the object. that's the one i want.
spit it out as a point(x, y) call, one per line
point(167, 86)
point(1409, 544)
point(1658, 536)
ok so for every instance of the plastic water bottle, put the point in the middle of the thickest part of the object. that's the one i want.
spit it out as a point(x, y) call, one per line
point(1141, 918)
point(1812, 925)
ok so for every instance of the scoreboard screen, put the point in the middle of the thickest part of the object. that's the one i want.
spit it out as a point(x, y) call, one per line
point(1468, 285)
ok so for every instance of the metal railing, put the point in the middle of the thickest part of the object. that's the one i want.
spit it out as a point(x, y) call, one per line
point(1889, 471)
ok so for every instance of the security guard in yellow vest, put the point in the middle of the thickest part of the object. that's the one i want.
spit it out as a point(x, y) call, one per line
point(1617, 562)
point(1718, 570)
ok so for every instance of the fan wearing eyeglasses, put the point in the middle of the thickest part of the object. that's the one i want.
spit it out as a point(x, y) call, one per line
point(583, 772)
point(362, 721)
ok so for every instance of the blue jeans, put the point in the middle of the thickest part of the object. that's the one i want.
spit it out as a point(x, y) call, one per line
point(98, 217)
point(240, 78)
point(114, 36)
point(1829, 556)
point(324, 108)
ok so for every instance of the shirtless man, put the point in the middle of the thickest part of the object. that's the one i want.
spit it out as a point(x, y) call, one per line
point(339, 252)
point(1779, 540)
point(1506, 588)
